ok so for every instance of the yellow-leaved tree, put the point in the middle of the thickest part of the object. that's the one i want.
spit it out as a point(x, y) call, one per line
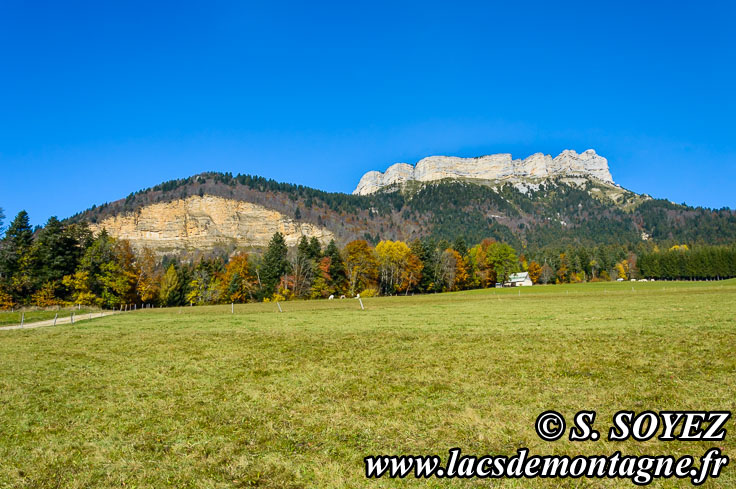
point(45, 296)
point(149, 276)
point(535, 271)
point(361, 266)
point(79, 283)
point(6, 300)
point(622, 269)
point(399, 268)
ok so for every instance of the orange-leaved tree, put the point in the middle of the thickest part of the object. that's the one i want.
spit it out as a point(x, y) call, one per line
point(238, 282)
point(535, 271)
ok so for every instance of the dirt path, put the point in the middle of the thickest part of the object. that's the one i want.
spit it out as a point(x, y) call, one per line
point(64, 320)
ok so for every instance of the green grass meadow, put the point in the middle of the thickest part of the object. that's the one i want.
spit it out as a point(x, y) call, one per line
point(11, 318)
point(197, 397)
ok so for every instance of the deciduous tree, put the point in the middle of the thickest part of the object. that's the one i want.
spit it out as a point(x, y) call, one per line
point(238, 282)
point(360, 265)
point(535, 271)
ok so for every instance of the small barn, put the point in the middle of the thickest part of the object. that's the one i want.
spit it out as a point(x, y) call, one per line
point(519, 280)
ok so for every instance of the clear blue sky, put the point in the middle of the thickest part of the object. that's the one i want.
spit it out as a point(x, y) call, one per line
point(98, 100)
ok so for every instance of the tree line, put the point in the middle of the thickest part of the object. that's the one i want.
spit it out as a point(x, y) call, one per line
point(683, 263)
point(62, 263)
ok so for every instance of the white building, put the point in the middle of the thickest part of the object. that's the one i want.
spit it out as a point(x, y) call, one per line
point(519, 280)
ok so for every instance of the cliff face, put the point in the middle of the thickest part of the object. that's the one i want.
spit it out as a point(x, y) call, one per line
point(497, 167)
point(204, 223)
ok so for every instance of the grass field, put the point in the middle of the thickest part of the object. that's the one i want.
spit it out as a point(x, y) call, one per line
point(201, 398)
point(8, 318)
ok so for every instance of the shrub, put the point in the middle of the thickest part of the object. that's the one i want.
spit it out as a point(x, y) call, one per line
point(6, 301)
point(369, 293)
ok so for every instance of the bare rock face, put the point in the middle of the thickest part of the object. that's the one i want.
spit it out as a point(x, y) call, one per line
point(497, 167)
point(203, 223)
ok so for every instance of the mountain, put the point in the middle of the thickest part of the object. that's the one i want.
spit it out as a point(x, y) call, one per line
point(490, 168)
point(535, 203)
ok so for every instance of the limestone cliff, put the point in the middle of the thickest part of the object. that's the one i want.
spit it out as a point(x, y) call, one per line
point(497, 167)
point(204, 223)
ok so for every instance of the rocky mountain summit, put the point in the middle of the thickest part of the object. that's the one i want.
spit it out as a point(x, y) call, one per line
point(492, 168)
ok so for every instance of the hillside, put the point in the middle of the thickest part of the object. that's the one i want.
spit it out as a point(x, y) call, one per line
point(559, 211)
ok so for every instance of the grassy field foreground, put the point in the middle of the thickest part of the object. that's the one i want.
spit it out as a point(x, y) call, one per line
point(8, 318)
point(199, 397)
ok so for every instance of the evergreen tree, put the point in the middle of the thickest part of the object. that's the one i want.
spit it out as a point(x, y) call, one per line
point(15, 246)
point(100, 252)
point(303, 250)
point(338, 279)
point(315, 249)
point(419, 250)
point(57, 251)
point(275, 264)
point(460, 246)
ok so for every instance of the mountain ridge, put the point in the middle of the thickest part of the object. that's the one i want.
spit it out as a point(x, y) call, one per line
point(565, 209)
point(495, 168)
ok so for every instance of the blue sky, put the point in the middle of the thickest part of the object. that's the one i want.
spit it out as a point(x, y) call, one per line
point(98, 100)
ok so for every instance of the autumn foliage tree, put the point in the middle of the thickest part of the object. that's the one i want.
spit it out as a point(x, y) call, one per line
point(535, 271)
point(238, 283)
point(398, 267)
point(361, 266)
point(454, 274)
point(148, 277)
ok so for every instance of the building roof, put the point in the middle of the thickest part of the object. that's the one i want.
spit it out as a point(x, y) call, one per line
point(519, 277)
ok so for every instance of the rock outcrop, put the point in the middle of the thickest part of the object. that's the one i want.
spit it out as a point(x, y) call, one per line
point(204, 223)
point(497, 167)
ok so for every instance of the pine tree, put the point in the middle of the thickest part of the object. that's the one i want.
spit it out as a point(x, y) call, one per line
point(337, 268)
point(302, 248)
point(15, 247)
point(460, 246)
point(315, 249)
point(417, 249)
point(57, 251)
point(275, 264)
